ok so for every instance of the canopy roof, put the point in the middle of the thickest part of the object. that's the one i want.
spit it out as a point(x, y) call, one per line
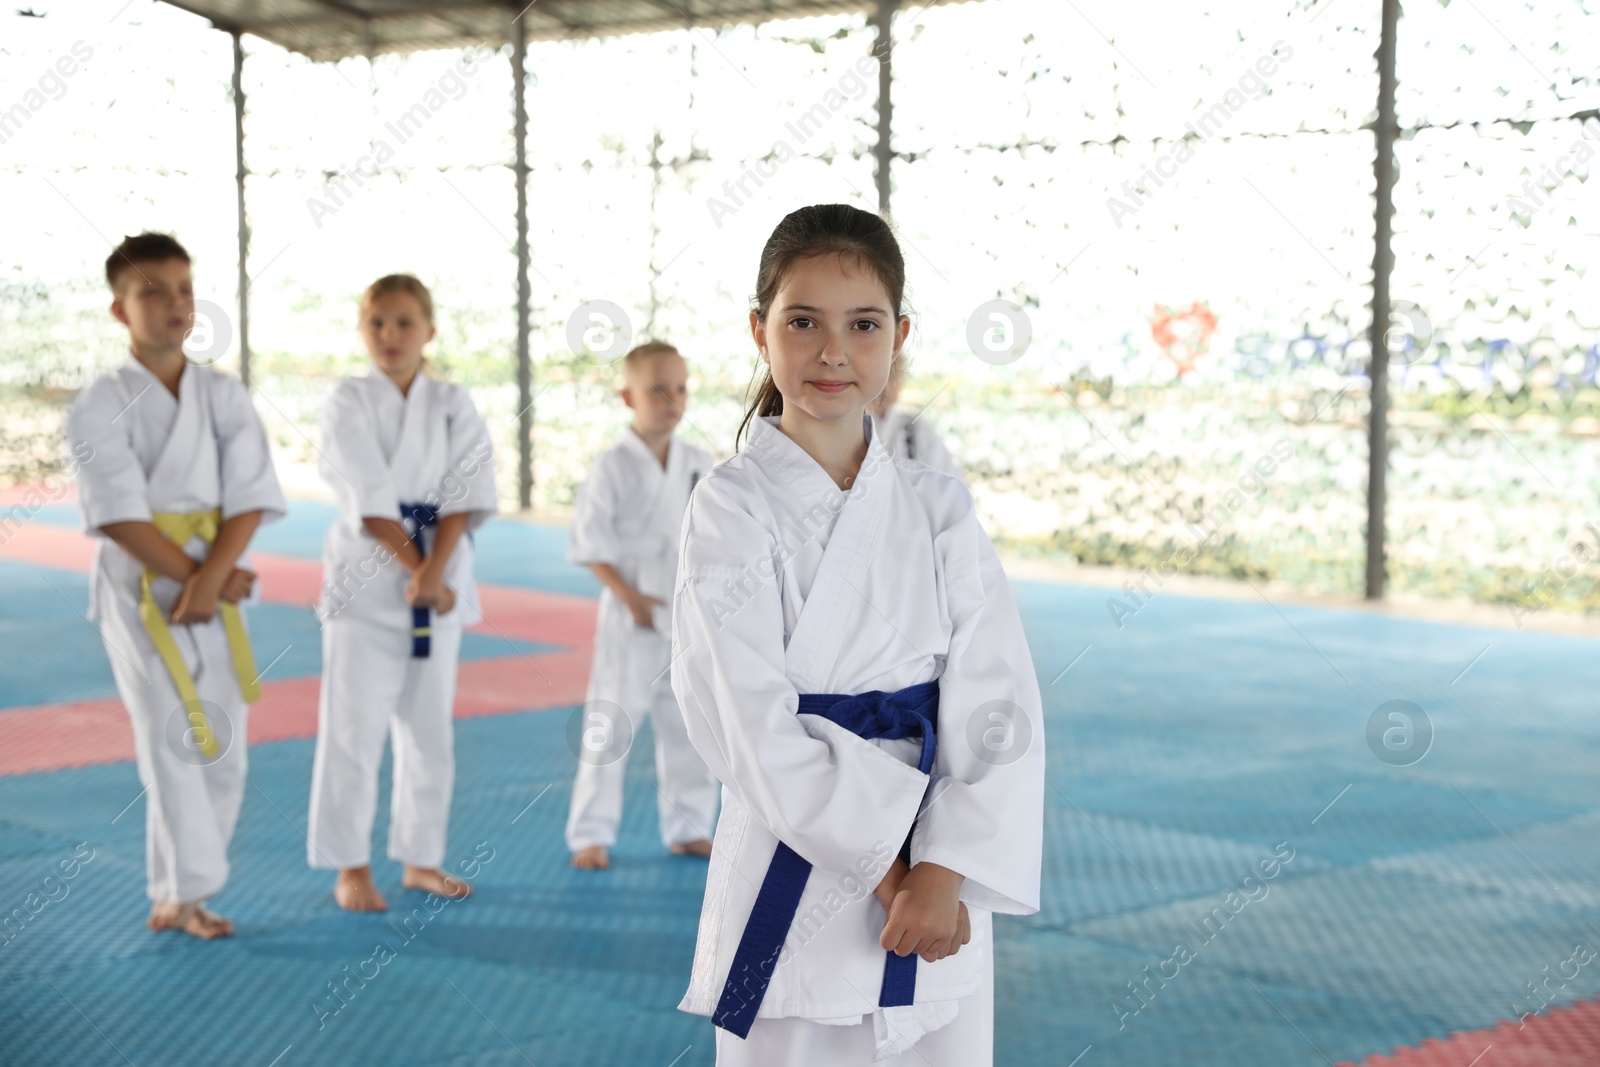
point(335, 29)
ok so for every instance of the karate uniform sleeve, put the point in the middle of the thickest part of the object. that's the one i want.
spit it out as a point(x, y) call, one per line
point(111, 483)
point(934, 452)
point(826, 793)
point(249, 482)
point(985, 813)
point(469, 483)
point(593, 536)
point(350, 459)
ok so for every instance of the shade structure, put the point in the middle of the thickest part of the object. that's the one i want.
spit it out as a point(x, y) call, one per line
point(328, 30)
point(336, 29)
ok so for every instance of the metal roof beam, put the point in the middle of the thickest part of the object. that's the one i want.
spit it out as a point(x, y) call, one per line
point(339, 17)
point(337, 29)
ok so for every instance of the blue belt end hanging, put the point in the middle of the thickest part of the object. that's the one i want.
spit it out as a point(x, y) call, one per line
point(417, 518)
point(421, 633)
point(909, 712)
point(899, 981)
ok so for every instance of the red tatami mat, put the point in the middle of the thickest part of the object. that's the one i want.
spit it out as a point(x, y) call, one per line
point(36, 738)
point(1557, 1037)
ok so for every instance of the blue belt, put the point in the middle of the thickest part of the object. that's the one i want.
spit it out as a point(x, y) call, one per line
point(912, 711)
point(416, 518)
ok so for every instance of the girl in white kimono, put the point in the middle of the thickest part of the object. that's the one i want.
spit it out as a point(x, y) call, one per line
point(411, 464)
point(625, 527)
point(174, 477)
point(851, 664)
point(908, 434)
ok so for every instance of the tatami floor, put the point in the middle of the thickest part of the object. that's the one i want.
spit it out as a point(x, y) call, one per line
point(1424, 906)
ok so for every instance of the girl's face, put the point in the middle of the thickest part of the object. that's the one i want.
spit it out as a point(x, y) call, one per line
point(829, 337)
point(395, 330)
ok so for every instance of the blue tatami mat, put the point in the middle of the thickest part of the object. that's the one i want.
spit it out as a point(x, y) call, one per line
point(1188, 747)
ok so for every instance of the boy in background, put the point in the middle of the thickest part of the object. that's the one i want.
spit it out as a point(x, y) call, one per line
point(625, 528)
point(179, 478)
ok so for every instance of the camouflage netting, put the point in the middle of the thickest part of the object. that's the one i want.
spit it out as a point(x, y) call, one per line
point(1182, 214)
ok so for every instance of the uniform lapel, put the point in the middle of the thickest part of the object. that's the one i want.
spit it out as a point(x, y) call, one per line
point(670, 501)
point(410, 443)
point(184, 453)
point(836, 598)
point(653, 479)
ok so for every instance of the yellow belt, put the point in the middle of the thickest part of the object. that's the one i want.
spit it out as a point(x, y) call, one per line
point(180, 527)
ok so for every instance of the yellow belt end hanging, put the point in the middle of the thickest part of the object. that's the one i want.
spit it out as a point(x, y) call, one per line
point(204, 735)
point(179, 527)
point(244, 658)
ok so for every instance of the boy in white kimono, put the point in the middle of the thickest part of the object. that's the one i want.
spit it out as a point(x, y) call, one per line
point(174, 477)
point(625, 527)
point(411, 464)
point(851, 664)
point(908, 434)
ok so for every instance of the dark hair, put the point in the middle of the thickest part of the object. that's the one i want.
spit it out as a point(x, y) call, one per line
point(144, 248)
point(819, 230)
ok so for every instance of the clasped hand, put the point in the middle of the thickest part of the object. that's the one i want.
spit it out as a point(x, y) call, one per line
point(197, 600)
point(427, 589)
point(642, 608)
point(925, 914)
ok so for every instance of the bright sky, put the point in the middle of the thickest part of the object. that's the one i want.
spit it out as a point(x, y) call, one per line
point(1039, 163)
point(1270, 230)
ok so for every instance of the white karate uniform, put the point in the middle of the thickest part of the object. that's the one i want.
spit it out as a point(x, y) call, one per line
point(629, 512)
point(381, 449)
point(139, 450)
point(968, 1039)
point(910, 435)
point(789, 586)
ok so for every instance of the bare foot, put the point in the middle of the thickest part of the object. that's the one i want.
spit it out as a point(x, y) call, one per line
point(192, 919)
point(593, 858)
point(698, 847)
point(433, 880)
point(354, 891)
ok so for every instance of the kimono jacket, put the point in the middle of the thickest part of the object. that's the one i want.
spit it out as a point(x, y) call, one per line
point(788, 586)
point(139, 450)
point(629, 513)
point(380, 449)
point(907, 436)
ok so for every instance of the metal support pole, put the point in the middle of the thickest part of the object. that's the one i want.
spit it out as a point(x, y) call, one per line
point(883, 152)
point(244, 226)
point(1382, 268)
point(519, 55)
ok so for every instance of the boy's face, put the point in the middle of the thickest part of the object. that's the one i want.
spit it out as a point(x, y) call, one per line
point(154, 299)
point(658, 393)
